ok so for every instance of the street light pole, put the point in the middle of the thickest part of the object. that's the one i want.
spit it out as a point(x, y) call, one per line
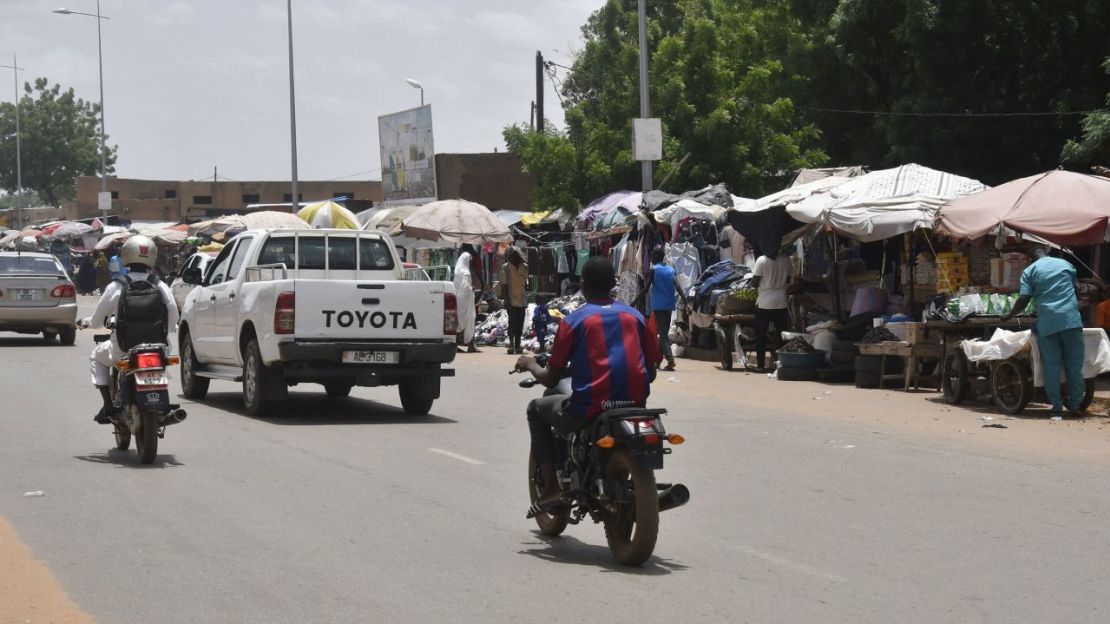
point(295, 199)
point(645, 109)
point(415, 84)
point(100, 63)
point(18, 147)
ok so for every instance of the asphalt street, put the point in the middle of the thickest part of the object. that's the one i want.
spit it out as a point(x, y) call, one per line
point(350, 511)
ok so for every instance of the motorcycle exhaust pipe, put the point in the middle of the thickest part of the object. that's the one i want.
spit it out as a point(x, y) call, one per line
point(174, 417)
point(676, 495)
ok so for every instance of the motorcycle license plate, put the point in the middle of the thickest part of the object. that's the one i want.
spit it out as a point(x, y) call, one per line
point(151, 378)
point(371, 357)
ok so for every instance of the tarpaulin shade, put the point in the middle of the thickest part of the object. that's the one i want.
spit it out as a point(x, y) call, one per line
point(629, 201)
point(1064, 207)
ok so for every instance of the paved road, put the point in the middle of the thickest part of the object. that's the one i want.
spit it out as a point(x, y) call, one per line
point(349, 511)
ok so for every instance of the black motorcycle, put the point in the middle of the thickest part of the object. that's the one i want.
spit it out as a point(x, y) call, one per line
point(141, 398)
point(607, 471)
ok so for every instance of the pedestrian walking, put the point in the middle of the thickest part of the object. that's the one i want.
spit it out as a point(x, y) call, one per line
point(513, 285)
point(771, 277)
point(661, 284)
point(464, 296)
point(1051, 282)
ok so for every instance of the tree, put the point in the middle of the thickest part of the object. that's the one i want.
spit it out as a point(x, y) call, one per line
point(551, 159)
point(60, 139)
point(1094, 146)
point(996, 65)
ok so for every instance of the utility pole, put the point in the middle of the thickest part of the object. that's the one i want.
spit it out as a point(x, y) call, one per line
point(539, 92)
point(295, 199)
point(18, 147)
point(645, 108)
point(532, 117)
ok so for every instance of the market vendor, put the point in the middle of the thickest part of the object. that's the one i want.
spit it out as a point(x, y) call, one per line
point(771, 277)
point(1052, 283)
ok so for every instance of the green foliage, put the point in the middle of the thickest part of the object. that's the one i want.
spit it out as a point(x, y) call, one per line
point(550, 158)
point(60, 140)
point(1093, 148)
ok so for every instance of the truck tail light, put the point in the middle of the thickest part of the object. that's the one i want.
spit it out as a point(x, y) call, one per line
point(64, 291)
point(450, 314)
point(285, 313)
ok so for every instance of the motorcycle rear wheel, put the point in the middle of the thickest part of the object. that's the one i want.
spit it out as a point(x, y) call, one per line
point(633, 530)
point(146, 442)
point(551, 524)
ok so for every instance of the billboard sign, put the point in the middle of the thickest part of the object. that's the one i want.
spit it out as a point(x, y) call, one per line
point(408, 156)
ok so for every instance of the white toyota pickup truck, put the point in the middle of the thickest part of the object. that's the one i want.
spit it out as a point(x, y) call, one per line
point(281, 307)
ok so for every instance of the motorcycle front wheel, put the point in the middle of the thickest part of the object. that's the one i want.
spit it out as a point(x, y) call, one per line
point(552, 524)
point(146, 441)
point(632, 530)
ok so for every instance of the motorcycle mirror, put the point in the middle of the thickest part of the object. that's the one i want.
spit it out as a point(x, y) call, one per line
point(527, 383)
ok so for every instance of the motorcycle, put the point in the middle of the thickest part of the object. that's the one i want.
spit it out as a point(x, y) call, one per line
point(607, 472)
point(140, 394)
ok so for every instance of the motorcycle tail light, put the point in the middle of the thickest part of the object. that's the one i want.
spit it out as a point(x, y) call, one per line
point(148, 360)
point(651, 438)
point(606, 442)
point(285, 313)
point(450, 314)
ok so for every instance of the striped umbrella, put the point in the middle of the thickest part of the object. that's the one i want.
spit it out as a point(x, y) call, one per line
point(329, 215)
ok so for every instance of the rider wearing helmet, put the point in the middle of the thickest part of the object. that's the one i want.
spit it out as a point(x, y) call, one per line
point(139, 255)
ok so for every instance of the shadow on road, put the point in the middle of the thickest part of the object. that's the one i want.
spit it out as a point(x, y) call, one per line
point(983, 405)
point(317, 409)
point(129, 459)
point(27, 341)
point(566, 549)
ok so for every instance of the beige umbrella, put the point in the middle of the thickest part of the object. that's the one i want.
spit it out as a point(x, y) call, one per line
point(273, 220)
point(456, 221)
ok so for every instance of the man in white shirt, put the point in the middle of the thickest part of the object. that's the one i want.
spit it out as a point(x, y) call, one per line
point(139, 254)
point(772, 277)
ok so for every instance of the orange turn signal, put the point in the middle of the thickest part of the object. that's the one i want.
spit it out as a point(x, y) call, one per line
point(123, 365)
point(674, 438)
point(173, 360)
point(606, 442)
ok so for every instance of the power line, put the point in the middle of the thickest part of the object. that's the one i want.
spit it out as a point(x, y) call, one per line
point(352, 175)
point(968, 114)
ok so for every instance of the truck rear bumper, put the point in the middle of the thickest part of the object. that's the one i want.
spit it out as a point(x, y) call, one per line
point(317, 361)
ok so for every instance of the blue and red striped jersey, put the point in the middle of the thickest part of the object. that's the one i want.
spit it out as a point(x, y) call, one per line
point(609, 348)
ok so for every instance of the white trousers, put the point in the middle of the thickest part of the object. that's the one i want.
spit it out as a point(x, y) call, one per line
point(100, 363)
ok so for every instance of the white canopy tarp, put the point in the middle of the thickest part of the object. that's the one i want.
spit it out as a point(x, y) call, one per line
point(881, 204)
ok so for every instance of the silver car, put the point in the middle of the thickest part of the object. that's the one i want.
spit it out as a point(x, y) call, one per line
point(36, 295)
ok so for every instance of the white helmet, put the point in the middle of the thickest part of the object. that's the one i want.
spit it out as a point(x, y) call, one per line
point(139, 250)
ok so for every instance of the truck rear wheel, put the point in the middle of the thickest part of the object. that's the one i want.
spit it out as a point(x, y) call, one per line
point(261, 384)
point(338, 389)
point(416, 397)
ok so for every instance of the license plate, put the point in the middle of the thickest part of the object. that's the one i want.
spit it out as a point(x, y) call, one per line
point(26, 295)
point(151, 378)
point(371, 357)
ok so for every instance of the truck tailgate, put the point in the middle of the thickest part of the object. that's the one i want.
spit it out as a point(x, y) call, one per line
point(368, 310)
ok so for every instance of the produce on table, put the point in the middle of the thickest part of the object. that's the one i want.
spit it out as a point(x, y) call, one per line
point(796, 345)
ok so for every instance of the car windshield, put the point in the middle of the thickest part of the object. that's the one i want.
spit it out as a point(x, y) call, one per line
point(28, 265)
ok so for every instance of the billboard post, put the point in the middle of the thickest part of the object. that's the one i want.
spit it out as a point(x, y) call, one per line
point(408, 156)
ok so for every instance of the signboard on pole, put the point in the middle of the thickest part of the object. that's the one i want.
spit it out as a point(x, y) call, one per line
point(104, 201)
point(647, 139)
point(408, 156)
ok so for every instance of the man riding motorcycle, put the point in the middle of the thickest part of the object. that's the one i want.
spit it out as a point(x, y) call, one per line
point(613, 353)
point(139, 255)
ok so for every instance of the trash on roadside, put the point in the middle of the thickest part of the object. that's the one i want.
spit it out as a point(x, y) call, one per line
point(672, 379)
point(995, 426)
point(35, 493)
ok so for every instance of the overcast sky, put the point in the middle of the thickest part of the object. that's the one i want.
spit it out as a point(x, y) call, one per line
point(192, 84)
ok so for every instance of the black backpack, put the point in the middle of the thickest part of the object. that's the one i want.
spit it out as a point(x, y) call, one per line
point(141, 314)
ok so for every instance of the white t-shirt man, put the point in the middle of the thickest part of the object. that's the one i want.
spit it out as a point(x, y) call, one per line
point(774, 277)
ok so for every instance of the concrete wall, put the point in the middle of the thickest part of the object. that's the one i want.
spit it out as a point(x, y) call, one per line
point(493, 180)
point(162, 200)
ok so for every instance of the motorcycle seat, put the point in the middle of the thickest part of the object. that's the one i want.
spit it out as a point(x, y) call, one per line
point(622, 413)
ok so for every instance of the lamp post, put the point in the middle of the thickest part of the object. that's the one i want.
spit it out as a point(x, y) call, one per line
point(645, 108)
point(295, 199)
point(100, 62)
point(415, 84)
point(18, 148)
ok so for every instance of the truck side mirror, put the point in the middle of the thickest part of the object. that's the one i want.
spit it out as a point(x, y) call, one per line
point(192, 276)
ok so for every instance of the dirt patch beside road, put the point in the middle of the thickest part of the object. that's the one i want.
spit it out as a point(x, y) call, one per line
point(28, 591)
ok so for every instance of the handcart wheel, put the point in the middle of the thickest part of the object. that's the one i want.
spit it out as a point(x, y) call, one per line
point(1088, 394)
point(724, 344)
point(955, 377)
point(1011, 386)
